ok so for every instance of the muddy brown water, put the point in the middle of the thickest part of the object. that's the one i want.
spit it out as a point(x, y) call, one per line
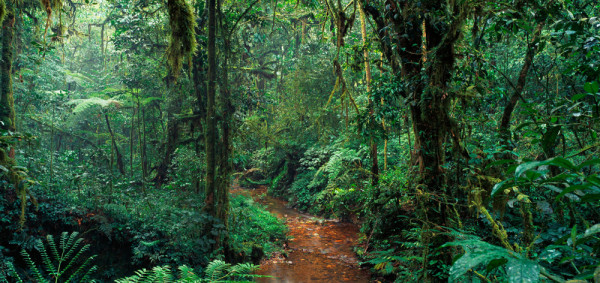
point(319, 250)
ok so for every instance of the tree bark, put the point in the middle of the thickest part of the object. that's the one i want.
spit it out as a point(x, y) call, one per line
point(170, 147)
point(373, 143)
point(114, 144)
point(211, 122)
point(224, 162)
point(426, 55)
point(7, 104)
point(518, 89)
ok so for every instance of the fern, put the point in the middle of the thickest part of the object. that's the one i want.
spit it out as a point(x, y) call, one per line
point(82, 105)
point(61, 263)
point(157, 274)
point(9, 271)
point(217, 271)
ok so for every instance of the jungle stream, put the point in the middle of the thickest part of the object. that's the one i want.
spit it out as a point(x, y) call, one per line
point(319, 250)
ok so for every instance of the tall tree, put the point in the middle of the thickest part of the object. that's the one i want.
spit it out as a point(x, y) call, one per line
point(425, 34)
point(7, 104)
point(212, 187)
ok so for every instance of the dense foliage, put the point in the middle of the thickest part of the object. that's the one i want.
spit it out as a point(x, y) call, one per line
point(462, 136)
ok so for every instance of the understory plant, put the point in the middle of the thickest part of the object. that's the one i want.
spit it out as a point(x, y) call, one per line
point(65, 261)
point(550, 231)
point(216, 271)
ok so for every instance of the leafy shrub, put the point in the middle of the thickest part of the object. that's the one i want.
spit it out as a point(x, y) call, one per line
point(253, 227)
point(185, 166)
point(306, 188)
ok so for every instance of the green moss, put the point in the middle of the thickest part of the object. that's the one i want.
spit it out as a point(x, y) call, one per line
point(183, 34)
point(2, 10)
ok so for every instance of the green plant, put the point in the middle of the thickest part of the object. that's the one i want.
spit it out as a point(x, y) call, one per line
point(216, 271)
point(64, 262)
point(253, 229)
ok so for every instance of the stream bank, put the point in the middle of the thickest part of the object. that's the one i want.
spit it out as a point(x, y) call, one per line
point(319, 250)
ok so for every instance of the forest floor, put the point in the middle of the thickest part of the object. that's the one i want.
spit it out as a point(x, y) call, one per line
point(319, 250)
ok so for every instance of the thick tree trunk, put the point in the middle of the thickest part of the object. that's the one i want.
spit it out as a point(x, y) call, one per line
point(7, 107)
point(200, 88)
point(426, 56)
point(211, 124)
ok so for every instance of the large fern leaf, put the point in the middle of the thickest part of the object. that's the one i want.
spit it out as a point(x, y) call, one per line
point(83, 105)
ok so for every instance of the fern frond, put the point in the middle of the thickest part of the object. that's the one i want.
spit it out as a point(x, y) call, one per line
point(86, 276)
point(187, 274)
point(157, 274)
point(46, 260)
point(73, 259)
point(82, 105)
point(52, 246)
point(217, 270)
point(34, 269)
point(81, 268)
point(72, 248)
point(243, 269)
point(58, 263)
point(11, 271)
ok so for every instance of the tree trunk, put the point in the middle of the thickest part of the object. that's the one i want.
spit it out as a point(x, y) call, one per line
point(426, 76)
point(200, 88)
point(373, 143)
point(224, 161)
point(114, 144)
point(211, 124)
point(7, 104)
point(518, 89)
point(170, 147)
point(131, 140)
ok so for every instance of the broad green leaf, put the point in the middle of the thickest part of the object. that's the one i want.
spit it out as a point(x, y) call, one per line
point(495, 264)
point(562, 177)
point(501, 186)
point(553, 188)
point(579, 96)
point(591, 87)
point(593, 179)
point(523, 125)
point(592, 231)
point(561, 162)
point(590, 198)
point(472, 259)
point(527, 166)
point(574, 234)
point(571, 189)
point(590, 162)
point(522, 270)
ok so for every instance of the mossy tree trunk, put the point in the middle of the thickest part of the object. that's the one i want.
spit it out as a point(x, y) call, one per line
point(212, 187)
point(199, 72)
point(425, 54)
point(224, 158)
point(7, 107)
